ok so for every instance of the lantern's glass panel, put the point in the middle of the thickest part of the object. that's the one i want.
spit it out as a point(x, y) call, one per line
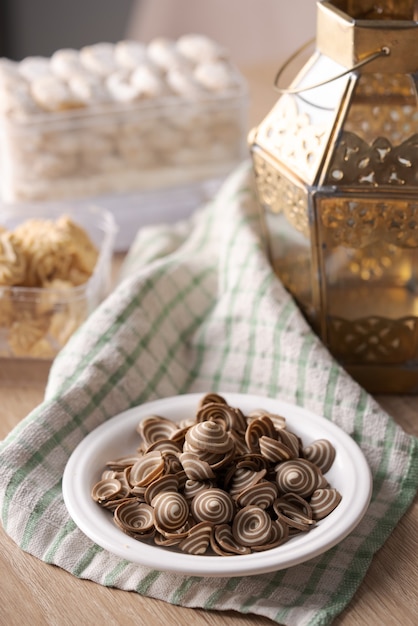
point(369, 267)
point(378, 144)
point(337, 176)
point(297, 130)
point(286, 217)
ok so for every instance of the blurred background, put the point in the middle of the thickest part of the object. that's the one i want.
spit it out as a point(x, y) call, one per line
point(257, 33)
point(253, 30)
point(32, 28)
point(149, 164)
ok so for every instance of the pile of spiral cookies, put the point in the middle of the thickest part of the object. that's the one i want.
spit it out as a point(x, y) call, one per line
point(221, 483)
point(97, 117)
point(50, 258)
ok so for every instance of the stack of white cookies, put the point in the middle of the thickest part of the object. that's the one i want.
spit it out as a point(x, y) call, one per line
point(119, 117)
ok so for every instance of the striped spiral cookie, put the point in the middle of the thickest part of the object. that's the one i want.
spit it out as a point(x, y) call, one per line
point(212, 505)
point(298, 476)
point(322, 453)
point(171, 511)
point(134, 517)
point(323, 502)
point(251, 526)
point(209, 436)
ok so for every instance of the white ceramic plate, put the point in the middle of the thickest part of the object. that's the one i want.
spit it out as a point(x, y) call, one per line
point(117, 437)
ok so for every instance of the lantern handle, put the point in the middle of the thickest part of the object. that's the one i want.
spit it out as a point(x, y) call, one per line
point(384, 51)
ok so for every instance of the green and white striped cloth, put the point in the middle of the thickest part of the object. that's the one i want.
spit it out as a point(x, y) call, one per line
point(200, 310)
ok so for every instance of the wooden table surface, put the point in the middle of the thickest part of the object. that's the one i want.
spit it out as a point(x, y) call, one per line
point(34, 593)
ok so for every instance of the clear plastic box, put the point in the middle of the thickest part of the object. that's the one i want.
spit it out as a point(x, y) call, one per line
point(111, 148)
point(35, 322)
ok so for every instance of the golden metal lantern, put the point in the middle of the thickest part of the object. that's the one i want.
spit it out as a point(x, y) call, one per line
point(336, 165)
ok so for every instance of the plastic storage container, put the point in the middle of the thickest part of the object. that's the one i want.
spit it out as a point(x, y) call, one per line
point(142, 147)
point(36, 322)
point(122, 120)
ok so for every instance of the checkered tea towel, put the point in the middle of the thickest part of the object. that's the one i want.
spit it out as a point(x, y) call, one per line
point(199, 309)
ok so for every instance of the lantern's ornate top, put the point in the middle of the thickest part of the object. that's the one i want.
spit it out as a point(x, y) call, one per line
point(350, 30)
point(377, 9)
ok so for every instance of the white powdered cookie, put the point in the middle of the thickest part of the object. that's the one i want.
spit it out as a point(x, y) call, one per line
point(99, 58)
point(120, 87)
point(165, 138)
point(135, 150)
point(183, 83)
point(88, 88)
point(66, 62)
point(53, 94)
point(214, 75)
point(16, 99)
point(200, 48)
point(34, 67)
point(14, 90)
point(164, 53)
point(95, 147)
point(148, 82)
point(62, 144)
point(130, 54)
point(51, 166)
